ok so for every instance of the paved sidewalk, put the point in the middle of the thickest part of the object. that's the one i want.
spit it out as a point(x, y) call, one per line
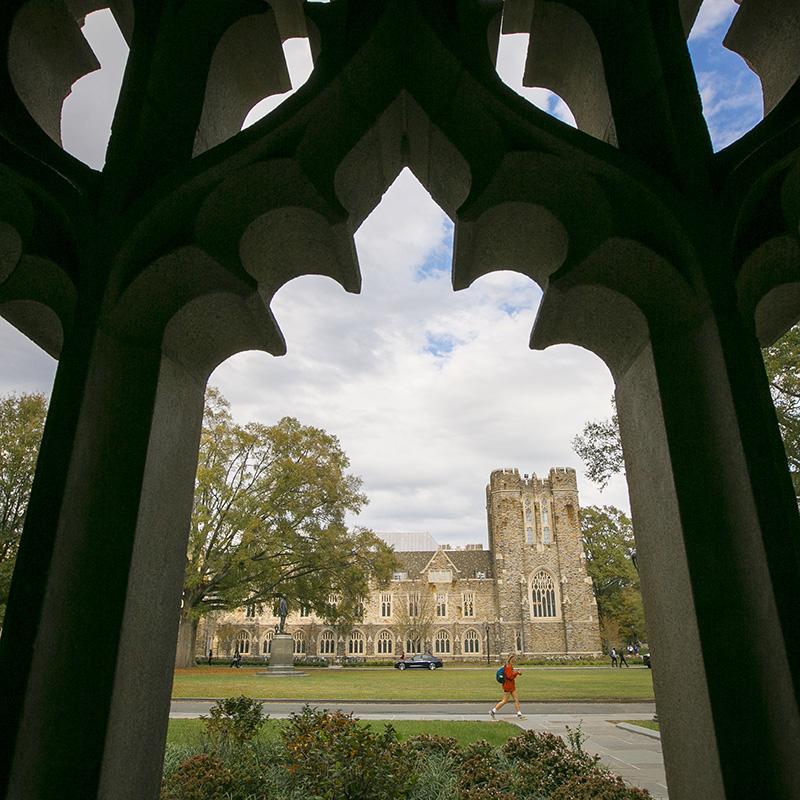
point(637, 758)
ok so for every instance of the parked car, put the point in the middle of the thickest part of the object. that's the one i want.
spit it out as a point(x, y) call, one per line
point(421, 661)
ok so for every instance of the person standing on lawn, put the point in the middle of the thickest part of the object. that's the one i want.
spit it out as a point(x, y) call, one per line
point(509, 687)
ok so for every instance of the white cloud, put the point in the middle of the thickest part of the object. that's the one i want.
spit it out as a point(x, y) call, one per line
point(713, 17)
point(423, 430)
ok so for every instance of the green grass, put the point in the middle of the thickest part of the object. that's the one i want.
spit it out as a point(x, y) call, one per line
point(188, 732)
point(644, 723)
point(320, 684)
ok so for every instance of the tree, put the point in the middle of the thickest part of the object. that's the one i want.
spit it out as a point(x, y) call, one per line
point(600, 448)
point(782, 361)
point(415, 613)
point(268, 520)
point(21, 425)
point(608, 541)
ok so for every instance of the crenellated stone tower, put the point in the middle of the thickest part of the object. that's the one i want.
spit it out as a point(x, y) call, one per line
point(544, 597)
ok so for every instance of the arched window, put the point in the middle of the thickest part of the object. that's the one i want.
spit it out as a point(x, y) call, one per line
point(384, 642)
point(355, 644)
point(472, 642)
point(267, 644)
point(442, 643)
point(327, 643)
point(243, 642)
point(543, 595)
point(298, 643)
point(412, 646)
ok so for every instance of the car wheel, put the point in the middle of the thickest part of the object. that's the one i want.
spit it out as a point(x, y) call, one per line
point(401, 666)
point(431, 665)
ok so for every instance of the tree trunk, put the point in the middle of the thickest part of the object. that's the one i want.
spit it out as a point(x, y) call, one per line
point(187, 640)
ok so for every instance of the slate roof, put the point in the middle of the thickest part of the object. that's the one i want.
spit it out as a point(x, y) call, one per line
point(467, 562)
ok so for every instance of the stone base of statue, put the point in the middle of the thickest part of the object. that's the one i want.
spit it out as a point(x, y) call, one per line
point(281, 657)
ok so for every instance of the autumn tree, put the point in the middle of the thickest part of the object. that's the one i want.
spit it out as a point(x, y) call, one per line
point(414, 614)
point(608, 541)
point(21, 425)
point(269, 520)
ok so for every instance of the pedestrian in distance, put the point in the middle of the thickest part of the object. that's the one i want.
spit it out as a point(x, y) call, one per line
point(509, 687)
point(622, 658)
point(210, 653)
point(237, 660)
point(613, 655)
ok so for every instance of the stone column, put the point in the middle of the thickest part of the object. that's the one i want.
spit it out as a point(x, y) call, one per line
point(100, 574)
point(717, 537)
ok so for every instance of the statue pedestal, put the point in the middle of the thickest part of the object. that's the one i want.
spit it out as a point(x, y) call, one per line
point(281, 657)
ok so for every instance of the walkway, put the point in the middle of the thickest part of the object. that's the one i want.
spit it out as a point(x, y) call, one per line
point(634, 756)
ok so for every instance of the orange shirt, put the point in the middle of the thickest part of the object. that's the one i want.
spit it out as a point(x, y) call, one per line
point(509, 673)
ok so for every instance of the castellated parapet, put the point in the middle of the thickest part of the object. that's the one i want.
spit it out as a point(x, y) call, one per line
point(529, 592)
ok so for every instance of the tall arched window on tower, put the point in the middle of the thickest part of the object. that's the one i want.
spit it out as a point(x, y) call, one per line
point(543, 595)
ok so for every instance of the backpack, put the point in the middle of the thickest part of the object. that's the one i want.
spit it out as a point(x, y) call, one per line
point(500, 675)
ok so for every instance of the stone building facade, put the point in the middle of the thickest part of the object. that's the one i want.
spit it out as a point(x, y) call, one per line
point(529, 592)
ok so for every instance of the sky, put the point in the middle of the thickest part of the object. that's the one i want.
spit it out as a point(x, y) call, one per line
point(428, 390)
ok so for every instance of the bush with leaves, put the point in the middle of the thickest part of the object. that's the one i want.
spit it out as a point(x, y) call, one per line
point(426, 744)
point(331, 757)
point(234, 719)
point(600, 785)
point(482, 770)
point(200, 777)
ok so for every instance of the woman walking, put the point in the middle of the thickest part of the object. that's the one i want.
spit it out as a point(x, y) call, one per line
point(509, 687)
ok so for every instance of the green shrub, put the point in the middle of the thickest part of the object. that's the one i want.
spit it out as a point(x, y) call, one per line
point(425, 744)
point(330, 756)
point(482, 767)
point(599, 785)
point(234, 719)
point(201, 777)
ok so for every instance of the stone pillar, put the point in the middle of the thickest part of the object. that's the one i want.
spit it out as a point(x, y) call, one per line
point(717, 537)
point(100, 575)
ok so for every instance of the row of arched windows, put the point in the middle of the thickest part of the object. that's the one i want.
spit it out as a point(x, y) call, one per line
point(356, 643)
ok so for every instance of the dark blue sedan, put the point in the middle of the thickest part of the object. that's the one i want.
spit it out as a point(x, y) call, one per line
point(421, 661)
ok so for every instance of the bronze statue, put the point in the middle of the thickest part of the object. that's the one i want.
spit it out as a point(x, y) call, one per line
point(283, 610)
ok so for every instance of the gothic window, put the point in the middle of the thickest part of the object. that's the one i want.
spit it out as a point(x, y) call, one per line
point(518, 642)
point(543, 595)
point(546, 537)
point(441, 604)
point(305, 611)
point(386, 604)
point(412, 646)
point(472, 642)
point(298, 643)
point(529, 535)
point(266, 645)
point(250, 611)
point(334, 599)
point(469, 604)
point(359, 610)
point(413, 605)
point(243, 642)
point(384, 643)
point(545, 516)
point(355, 644)
point(327, 643)
point(442, 642)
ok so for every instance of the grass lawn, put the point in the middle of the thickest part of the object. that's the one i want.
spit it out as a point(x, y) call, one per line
point(644, 723)
point(189, 731)
point(320, 684)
